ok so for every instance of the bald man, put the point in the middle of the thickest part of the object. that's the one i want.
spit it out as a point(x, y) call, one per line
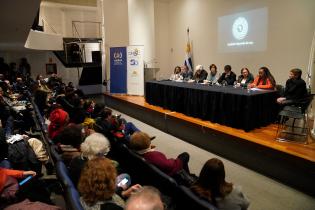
point(147, 198)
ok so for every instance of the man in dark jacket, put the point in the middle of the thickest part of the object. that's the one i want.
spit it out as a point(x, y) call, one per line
point(228, 77)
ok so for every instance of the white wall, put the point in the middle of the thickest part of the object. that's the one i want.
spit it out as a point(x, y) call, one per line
point(59, 18)
point(290, 30)
point(162, 35)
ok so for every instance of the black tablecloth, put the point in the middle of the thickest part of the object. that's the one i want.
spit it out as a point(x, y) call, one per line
point(234, 107)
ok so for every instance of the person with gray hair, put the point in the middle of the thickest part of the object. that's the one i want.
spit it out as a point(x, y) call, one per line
point(95, 145)
point(200, 74)
point(147, 198)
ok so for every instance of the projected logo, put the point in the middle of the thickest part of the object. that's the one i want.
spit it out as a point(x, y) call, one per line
point(240, 28)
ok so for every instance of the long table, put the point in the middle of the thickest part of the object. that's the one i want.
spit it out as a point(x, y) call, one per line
point(234, 107)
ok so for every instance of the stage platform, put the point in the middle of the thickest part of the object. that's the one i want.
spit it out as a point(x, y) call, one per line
point(288, 162)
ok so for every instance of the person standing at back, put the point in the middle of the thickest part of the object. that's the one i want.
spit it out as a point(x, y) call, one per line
point(228, 77)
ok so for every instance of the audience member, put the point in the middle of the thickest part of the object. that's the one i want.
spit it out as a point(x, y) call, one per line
point(58, 120)
point(245, 78)
point(95, 145)
point(212, 76)
point(211, 186)
point(111, 125)
point(69, 141)
point(3, 147)
point(4, 67)
point(24, 68)
point(264, 80)
point(147, 198)
point(97, 186)
point(141, 143)
point(228, 77)
point(13, 72)
point(6, 173)
point(200, 74)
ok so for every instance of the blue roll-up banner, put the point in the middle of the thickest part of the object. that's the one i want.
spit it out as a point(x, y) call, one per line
point(118, 70)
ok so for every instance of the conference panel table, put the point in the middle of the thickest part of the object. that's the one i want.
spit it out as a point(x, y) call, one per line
point(226, 105)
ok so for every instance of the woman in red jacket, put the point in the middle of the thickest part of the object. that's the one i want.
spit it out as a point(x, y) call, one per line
point(141, 143)
point(264, 80)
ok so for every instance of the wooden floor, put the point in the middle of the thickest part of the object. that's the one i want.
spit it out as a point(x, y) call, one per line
point(264, 136)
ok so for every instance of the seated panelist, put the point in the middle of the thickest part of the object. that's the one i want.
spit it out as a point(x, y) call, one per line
point(186, 73)
point(213, 75)
point(228, 77)
point(245, 78)
point(264, 80)
point(177, 74)
point(295, 89)
point(200, 74)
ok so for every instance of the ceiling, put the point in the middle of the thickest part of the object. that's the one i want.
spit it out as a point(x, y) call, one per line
point(16, 19)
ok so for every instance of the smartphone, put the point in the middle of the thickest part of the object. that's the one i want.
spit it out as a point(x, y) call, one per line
point(122, 182)
point(25, 180)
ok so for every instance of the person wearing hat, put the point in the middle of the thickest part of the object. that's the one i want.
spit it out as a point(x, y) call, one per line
point(141, 143)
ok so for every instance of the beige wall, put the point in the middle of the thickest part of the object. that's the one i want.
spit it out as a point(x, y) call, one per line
point(142, 29)
point(162, 35)
point(290, 29)
point(116, 29)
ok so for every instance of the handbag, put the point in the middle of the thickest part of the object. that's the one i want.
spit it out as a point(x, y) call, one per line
point(184, 178)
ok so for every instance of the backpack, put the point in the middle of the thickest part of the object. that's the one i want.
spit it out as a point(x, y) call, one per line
point(22, 157)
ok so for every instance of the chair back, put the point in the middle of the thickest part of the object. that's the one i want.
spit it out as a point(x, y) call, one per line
point(72, 199)
point(166, 184)
point(305, 103)
point(63, 175)
point(56, 157)
point(186, 199)
point(280, 89)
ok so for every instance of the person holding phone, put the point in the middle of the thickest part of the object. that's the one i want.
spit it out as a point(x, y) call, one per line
point(97, 186)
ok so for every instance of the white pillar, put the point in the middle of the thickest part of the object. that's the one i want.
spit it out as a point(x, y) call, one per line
point(312, 80)
point(100, 6)
point(141, 27)
point(313, 92)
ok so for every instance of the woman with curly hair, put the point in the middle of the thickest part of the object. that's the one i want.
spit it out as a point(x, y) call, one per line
point(97, 186)
point(211, 186)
